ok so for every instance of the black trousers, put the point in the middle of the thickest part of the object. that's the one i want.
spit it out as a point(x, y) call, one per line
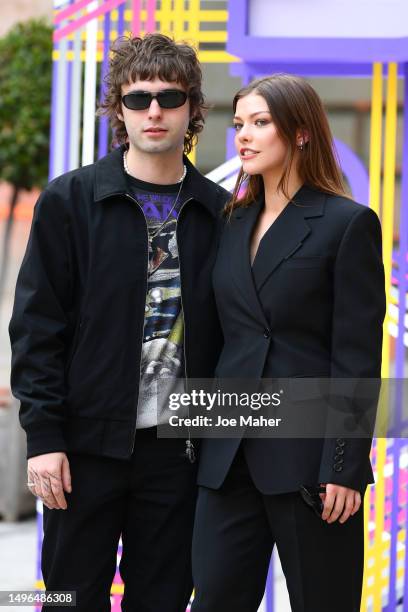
point(235, 530)
point(150, 502)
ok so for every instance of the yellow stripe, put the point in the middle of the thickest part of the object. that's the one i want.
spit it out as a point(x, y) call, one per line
point(70, 56)
point(172, 21)
point(194, 19)
point(376, 137)
point(192, 156)
point(179, 17)
point(179, 33)
point(387, 225)
point(384, 586)
point(401, 536)
point(166, 17)
point(379, 523)
point(212, 37)
point(389, 196)
point(211, 15)
point(366, 547)
point(219, 57)
point(116, 589)
point(214, 16)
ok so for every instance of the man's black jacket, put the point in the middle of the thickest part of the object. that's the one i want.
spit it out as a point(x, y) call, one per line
point(77, 324)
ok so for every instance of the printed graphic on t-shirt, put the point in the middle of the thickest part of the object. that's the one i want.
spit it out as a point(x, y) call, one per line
point(162, 351)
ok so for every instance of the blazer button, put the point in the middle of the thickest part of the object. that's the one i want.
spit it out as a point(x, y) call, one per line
point(340, 441)
point(337, 468)
point(339, 450)
point(267, 333)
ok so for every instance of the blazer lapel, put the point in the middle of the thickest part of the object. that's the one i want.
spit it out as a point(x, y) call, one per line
point(241, 228)
point(287, 234)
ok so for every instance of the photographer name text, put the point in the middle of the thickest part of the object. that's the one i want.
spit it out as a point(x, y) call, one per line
point(242, 421)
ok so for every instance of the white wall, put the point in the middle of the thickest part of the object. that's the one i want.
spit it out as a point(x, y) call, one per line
point(328, 18)
point(12, 11)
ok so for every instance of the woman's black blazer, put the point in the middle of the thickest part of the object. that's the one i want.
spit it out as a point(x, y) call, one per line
point(312, 305)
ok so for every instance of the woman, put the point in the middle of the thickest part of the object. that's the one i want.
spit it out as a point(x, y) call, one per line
point(299, 285)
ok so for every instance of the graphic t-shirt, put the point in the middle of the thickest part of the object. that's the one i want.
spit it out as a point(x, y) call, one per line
point(162, 349)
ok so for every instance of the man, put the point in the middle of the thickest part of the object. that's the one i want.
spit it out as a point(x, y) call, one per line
point(115, 289)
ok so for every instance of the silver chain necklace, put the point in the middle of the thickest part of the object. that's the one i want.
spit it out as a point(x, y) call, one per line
point(126, 168)
point(153, 235)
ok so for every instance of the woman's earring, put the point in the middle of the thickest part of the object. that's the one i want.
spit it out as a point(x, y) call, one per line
point(300, 147)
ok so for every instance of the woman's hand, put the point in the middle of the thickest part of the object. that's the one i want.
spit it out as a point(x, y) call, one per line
point(339, 502)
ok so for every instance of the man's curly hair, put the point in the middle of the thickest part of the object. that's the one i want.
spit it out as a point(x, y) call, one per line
point(154, 55)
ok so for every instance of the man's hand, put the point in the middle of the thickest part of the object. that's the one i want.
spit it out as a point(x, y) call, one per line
point(339, 502)
point(48, 476)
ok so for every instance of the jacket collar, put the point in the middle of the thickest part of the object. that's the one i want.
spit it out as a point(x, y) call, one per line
point(110, 180)
point(308, 202)
point(280, 242)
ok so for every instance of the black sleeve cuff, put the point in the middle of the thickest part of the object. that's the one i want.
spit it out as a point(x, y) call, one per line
point(45, 437)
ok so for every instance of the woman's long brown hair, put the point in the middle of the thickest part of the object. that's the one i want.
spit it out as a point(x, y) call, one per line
point(294, 105)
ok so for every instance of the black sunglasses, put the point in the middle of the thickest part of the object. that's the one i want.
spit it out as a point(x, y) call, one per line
point(166, 98)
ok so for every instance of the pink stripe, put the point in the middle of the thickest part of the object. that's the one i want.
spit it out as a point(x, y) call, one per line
point(151, 21)
point(70, 10)
point(75, 25)
point(136, 17)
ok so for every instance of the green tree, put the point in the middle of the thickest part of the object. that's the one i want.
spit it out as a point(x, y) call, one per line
point(25, 110)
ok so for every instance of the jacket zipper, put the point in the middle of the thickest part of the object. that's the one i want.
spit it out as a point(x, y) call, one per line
point(144, 311)
point(144, 317)
point(181, 288)
point(189, 446)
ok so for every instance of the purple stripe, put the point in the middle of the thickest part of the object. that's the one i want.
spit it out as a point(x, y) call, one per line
point(403, 286)
point(307, 69)
point(405, 586)
point(230, 145)
point(350, 50)
point(103, 131)
point(392, 599)
point(270, 590)
point(318, 69)
point(354, 170)
point(39, 544)
point(403, 245)
point(68, 116)
point(238, 22)
point(53, 129)
point(121, 19)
